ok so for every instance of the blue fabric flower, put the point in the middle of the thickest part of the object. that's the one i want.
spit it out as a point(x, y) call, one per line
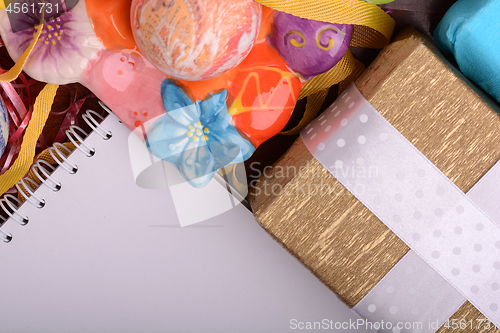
point(196, 137)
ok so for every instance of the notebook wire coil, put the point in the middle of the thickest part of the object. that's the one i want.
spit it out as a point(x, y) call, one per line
point(42, 170)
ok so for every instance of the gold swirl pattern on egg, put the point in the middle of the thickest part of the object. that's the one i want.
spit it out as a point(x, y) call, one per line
point(294, 41)
point(331, 41)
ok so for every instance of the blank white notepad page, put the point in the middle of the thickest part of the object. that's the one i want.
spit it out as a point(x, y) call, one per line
point(104, 255)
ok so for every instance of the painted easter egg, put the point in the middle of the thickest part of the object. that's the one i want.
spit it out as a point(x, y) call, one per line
point(111, 23)
point(264, 94)
point(195, 39)
point(310, 47)
point(262, 90)
point(4, 126)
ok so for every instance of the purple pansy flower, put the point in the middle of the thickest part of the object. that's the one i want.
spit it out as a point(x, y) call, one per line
point(63, 50)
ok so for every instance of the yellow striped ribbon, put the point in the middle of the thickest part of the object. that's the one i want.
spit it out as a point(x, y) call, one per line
point(324, 81)
point(41, 110)
point(43, 156)
point(373, 26)
point(317, 88)
point(23, 162)
point(14, 72)
point(357, 71)
point(314, 103)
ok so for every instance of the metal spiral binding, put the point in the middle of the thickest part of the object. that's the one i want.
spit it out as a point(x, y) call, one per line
point(43, 170)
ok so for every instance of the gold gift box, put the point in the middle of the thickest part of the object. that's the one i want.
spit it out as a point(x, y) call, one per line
point(331, 232)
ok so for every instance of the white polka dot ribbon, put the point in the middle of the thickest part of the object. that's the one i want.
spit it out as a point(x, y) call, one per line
point(486, 191)
point(412, 294)
point(411, 298)
point(411, 196)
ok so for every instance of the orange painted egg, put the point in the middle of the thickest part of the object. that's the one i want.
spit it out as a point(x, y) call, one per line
point(195, 39)
point(111, 22)
point(264, 94)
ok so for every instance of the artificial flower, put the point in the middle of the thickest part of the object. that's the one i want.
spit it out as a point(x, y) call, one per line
point(197, 137)
point(64, 48)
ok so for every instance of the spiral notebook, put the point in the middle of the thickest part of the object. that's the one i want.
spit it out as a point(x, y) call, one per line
point(105, 255)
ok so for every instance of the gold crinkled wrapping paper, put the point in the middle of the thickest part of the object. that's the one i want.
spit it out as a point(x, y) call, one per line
point(331, 232)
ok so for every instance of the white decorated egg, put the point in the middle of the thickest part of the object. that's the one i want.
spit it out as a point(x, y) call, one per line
point(4, 126)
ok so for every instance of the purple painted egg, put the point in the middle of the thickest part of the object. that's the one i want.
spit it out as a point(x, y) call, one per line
point(310, 47)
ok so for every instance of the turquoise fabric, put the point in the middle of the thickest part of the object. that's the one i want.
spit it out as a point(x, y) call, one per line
point(197, 137)
point(470, 30)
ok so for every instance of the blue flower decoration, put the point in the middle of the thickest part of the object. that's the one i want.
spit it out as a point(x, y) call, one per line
point(196, 137)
